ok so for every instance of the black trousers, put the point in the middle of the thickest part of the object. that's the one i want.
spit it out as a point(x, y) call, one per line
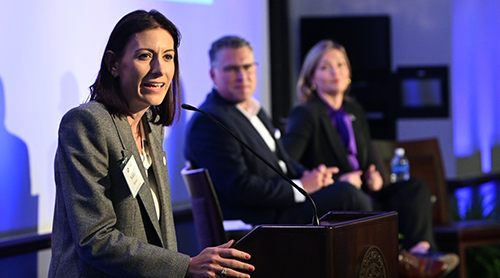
point(411, 199)
point(340, 196)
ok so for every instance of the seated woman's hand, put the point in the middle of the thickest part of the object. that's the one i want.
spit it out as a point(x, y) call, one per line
point(373, 178)
point(353, 178)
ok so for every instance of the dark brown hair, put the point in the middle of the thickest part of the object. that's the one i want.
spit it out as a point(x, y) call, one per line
point(106, 89)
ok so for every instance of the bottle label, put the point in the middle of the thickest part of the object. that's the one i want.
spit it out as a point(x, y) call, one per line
point(400, 172)
point(401, 169)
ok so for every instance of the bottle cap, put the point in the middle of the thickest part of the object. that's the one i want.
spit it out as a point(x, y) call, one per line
point(399, 151)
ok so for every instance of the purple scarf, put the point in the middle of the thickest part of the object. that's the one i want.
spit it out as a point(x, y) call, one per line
point(343, 123)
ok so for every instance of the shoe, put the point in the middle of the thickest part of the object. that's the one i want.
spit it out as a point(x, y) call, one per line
point(420, 266)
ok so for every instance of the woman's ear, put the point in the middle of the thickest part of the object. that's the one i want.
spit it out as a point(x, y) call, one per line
point(110, 60)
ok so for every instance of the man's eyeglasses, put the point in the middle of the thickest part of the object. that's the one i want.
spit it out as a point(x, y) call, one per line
point(234, 69)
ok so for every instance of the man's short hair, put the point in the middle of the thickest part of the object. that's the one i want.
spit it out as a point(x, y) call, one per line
point(226, 42)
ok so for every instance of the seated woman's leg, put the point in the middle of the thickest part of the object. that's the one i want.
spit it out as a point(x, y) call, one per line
point(412, 200)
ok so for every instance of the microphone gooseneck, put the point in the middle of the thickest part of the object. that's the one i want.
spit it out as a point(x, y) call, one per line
point(301, 190)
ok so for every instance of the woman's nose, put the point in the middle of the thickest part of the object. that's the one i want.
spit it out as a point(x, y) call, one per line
point(157, 68)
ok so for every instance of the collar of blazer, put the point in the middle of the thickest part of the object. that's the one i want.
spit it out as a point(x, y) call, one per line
point(236, 121)
point(129, 148)
point(332, 134)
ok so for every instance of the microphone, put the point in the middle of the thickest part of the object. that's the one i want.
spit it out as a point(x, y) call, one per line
point(301, 190)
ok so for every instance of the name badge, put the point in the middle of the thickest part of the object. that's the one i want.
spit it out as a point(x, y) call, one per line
point(132, 176)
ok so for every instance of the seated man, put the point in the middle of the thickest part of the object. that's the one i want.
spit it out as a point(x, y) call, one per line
point(247, 188)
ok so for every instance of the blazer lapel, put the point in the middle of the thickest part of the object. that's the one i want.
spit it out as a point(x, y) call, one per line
point(280, 153)
point(155, 139)
point(144, 195)
point(240, 120)
point(334, 138)
point(262, 148)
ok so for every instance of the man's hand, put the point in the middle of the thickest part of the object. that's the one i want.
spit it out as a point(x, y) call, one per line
point(318, 178)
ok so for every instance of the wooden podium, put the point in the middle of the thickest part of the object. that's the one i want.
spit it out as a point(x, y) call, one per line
point(346, 244)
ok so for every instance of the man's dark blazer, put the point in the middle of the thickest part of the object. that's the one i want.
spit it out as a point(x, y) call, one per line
point(247, 188)
point(311, 138)
point(100, 229)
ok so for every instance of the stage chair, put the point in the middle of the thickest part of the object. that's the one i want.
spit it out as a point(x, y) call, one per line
point(211, 229)
point(426, 163)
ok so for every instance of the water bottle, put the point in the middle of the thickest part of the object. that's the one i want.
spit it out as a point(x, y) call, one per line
point(400, 166)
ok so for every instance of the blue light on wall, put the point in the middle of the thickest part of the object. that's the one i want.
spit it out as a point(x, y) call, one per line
point(464, 200)
point(488, 195)
point(477, 202)
point(18, 209)
point(475, 79)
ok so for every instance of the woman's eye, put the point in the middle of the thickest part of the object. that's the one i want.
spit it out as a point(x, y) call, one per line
point(145, 56)
point(168, 57)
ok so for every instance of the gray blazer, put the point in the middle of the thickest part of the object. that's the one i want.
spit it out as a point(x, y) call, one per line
point(100, 229)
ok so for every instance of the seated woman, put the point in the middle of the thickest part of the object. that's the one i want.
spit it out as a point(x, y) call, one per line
point(328, 127)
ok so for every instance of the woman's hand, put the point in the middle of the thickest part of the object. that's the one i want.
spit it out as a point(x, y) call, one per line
point(353, 178)
point(212, 261)
point(373, 178)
